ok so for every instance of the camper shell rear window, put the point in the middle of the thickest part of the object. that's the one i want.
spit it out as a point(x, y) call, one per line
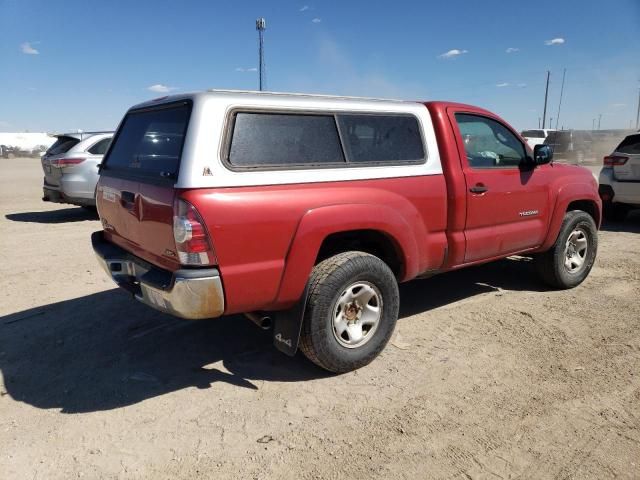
point(149, 142)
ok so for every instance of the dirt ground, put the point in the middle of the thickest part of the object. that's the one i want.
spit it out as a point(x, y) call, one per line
point(490, 375)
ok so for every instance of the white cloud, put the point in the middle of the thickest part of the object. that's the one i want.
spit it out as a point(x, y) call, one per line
point(512, 50)
point(316, 20)
point(555, 41)
point(522, 85)
point(503, 84)
point(250, 69)
point(453, 53)
point(618, 105)
point(304, 8)
point(160, 88)
point(28, 49)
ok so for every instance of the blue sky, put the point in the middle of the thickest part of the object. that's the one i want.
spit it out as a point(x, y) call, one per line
point(80, 64)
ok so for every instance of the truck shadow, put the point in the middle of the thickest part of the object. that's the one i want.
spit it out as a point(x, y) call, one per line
point(629, 225)
point(105, 351)
point(514, 273)
point(62, 215)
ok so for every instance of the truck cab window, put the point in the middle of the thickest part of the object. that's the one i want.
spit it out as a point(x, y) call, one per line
point(489, 144)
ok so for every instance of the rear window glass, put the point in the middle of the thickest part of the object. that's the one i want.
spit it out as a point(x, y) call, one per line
point(274, 139)
point(381, 138)
point(533, 133)
point(100, 147)
point(149, 142)
point(62, 145)
point(630, 145)
point(558, 137)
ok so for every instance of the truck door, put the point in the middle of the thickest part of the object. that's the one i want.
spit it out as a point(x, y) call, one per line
point(508, 205)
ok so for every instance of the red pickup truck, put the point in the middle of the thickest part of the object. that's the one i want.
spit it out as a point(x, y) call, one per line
point(306, 211)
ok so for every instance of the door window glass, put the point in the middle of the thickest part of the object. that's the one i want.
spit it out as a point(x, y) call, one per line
point(100, 147)
point(488, 143)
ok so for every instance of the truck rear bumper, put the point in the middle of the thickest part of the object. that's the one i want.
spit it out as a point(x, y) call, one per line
point(191, 294)
point(627, 192)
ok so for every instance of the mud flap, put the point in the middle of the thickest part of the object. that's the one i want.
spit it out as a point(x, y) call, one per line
point(287, 326)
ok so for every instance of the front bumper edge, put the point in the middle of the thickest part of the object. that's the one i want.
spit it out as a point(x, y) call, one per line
point(190, 294)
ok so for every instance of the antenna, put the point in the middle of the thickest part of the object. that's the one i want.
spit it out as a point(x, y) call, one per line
point(261, 26)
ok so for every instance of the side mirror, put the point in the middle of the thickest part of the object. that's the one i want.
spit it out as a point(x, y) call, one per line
point(542, 154)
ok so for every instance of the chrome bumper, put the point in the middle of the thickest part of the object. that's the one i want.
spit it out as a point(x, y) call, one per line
point(191, 294)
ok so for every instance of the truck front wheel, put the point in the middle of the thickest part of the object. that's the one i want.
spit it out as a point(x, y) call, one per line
point(569, 261)
point(351, 311)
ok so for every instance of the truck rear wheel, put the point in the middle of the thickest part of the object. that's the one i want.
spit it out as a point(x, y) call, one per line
point(569, 261)
point(351, 311)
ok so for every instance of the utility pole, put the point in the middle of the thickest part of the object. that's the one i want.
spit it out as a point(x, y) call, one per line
point(560, 102)
point(539, 122)
point(638, 114)
point(261, 26)
point(546, 95)
point(599, 119)
point(593, 124)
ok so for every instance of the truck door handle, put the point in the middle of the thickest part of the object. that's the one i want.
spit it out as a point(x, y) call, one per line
point(128, 199)
point(478, 188)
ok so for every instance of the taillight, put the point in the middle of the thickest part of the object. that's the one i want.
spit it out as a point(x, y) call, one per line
point(615, 160)
point(65, 162)
point(192, 240)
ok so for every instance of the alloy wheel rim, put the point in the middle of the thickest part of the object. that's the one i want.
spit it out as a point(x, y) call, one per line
point(357, 314)
point(575, 251)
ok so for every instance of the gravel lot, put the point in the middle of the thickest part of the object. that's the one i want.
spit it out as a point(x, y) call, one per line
point(490, 374)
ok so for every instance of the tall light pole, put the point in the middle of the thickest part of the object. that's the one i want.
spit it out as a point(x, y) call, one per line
point(599, 119)
point(546, 95)
point(261, 26)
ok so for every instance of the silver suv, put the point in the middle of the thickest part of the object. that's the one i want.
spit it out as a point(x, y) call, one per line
point(70, 167)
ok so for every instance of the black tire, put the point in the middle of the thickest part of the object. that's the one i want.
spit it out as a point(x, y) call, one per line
point(615, 212)
point(328, 281)
point(551, 264)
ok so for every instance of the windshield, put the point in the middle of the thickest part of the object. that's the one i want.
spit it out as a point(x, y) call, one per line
point(533, 133)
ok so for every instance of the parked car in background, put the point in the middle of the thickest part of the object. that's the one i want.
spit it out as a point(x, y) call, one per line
point(307, 211)
point(70, 167)
point(537, 136)
point(570, 145)
point(7, 151)
point(620, 179)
